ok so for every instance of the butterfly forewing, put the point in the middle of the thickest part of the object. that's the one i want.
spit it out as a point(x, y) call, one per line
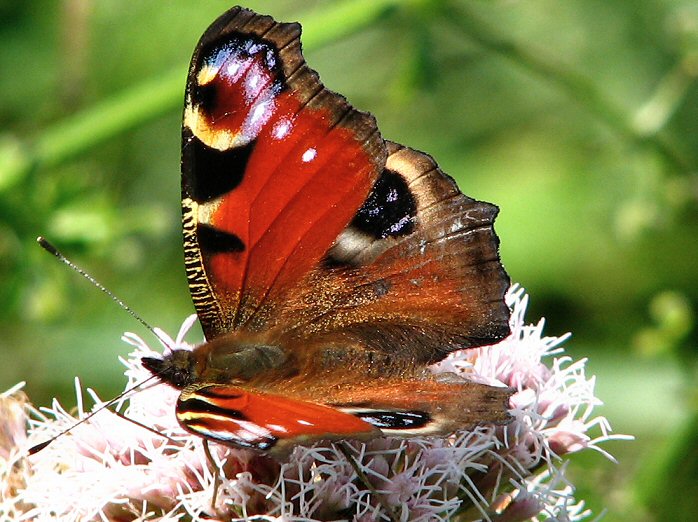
point(263, 421)
point(274, 167)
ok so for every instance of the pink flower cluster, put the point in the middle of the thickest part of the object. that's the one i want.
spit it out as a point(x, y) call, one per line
point(112, 469)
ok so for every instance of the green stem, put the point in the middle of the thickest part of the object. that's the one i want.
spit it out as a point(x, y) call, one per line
point(151, 99)
point(577, 86)
point(83, 130)
point(323, 26)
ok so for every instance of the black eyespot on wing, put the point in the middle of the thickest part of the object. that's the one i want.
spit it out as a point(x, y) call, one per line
point(390, 209)
point(214, 241)
point(241, 46)
point(395, 420)
point(211, 173)
point(205, 96)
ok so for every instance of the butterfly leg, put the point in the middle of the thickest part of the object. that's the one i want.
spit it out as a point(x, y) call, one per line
point(216, 472)
point(346, 451)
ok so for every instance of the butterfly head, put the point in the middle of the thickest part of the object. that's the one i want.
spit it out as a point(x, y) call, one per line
point(178, 368)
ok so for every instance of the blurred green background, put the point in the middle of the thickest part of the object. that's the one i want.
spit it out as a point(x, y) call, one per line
point(579, 118)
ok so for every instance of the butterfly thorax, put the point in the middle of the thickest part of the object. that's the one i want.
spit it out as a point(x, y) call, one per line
point(226, 359)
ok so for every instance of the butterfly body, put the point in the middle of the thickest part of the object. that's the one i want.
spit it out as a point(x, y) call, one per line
point(328, 267)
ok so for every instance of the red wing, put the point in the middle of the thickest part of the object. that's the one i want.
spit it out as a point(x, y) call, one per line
point(263, 421)
point(274, 167)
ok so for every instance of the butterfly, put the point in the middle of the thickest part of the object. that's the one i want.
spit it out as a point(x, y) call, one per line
point(328, 267)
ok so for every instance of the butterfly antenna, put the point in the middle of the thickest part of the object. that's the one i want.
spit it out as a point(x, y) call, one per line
point(46, 245)
point(144, 426)
point(42, 445)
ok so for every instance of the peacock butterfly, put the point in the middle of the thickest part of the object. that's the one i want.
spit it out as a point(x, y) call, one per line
point(328, 266)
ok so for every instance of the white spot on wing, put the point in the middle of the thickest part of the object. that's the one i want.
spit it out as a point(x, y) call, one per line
point(232, 69)
point(251, 82)
point(259, 115)
point(281, 129)
point(309, 155)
